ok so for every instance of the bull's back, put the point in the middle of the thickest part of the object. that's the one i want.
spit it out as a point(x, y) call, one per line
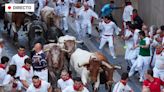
point(101, 57)
point(80, 57)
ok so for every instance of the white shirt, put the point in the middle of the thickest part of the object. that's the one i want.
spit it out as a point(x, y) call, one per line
point(71, 89)
point(87, 15)
point(26, 75)
point(109, 28)
point(7, 83)
point(2, 75)
point(19, 62)
point(136, 36)
point(159, 63)
point(63, 8)
point(128, 11)
point(76, 11)
point(44, 87)
point(63, 84)
point(147, 40)
point(129, 43)
point(119, 87)
point(154, 41)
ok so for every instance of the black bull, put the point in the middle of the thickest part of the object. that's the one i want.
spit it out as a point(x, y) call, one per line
point(38, 33)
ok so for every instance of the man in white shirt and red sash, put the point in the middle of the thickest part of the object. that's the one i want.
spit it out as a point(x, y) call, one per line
point(4, 62)
point(26, 73)
point(122, 85)
point(63, 12)
point(85, 15)
point(77, 87)
point(108, 27)
point(127, 14)
point(128, 37)
point(65, 80)
point(18, 60)
point(159, 63)
point(39, 85)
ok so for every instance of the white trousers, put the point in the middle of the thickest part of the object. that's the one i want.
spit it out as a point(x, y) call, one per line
point(124, 24)
point(64, 23)
point(41, 5)
point(132, 69)
point(43, 75)
point(78, 29)
point(143, 65)
point(86, 28)
point(153, 59)
point(133, 55)
point(110, 41)
point(127, 53)
point(158, 73)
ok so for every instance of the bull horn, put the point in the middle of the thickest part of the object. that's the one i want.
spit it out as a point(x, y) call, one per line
point(46, 50)
point(65, 50)
point(106, 64)
point(51, 40)
point(79, 65)
point(79, 41)
point(117, 67)
point(57, 38)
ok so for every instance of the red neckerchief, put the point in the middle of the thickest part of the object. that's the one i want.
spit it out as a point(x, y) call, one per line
point(123, 82)
point(161, 35)
point(2, 66)
point(28, 69)
point(21, 55)
point(107, 22)
point(40, 83)
point(129, 3)
point(134, 16)
point(66, 79)
point(14, 85)
point(76, 88)
point(86, 9)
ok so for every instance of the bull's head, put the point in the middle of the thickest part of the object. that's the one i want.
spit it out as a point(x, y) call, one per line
point(95, 66)
point(69, 43)
point(54, 54)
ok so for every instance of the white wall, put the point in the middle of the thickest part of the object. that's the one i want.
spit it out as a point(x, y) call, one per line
point(152, 11)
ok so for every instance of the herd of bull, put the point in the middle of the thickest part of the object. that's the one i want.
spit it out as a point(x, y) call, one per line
point(61, 51)
point(88, 65)
point(37, 30)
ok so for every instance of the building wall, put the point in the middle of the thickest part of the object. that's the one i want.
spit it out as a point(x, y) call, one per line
point(152, 11)
point(117, 14)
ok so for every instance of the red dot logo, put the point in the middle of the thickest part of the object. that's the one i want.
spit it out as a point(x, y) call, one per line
point(9, 7)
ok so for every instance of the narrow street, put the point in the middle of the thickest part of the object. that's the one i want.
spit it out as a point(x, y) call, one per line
point(91, 45)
